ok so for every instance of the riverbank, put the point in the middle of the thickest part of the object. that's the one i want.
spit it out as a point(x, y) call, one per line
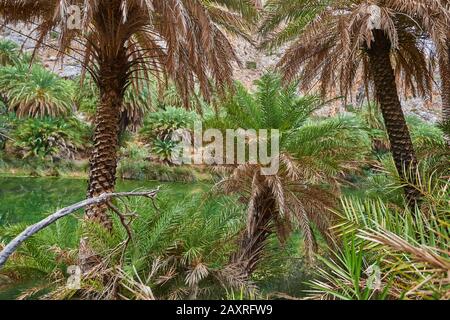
point(128, 169)
point(29, 199)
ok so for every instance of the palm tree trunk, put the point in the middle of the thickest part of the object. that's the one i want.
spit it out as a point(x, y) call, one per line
point(444, 68)
point(386, 92)
point(103, 160)
point(253, 241)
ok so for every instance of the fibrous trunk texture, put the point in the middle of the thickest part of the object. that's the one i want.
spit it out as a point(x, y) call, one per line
point(444, 68)
point(394, 119)
point(253, 241)
point(103, 160)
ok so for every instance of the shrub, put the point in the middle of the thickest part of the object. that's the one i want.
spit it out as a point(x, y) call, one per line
point(162, 123)
point(50, 138)
point(164, 150)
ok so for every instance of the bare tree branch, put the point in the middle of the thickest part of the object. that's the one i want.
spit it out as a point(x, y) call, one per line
point(30, 231)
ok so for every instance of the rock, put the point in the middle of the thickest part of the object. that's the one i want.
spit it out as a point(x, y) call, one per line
point(426, 110)
point(69, 72)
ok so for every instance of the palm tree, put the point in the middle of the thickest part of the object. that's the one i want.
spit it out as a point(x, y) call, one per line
point(35, 91)
point(121, 41)
point(338, 43)
point(313, 153)
point(9, 53)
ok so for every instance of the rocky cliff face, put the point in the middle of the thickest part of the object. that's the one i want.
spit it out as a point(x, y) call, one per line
point(256, 62)
point(253, 64)
point(23, 35)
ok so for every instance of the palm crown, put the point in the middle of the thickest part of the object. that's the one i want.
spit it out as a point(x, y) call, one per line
point(310, 155)
point(328, 39)
point(35, 91)
point(334, 44)
point(182, 38)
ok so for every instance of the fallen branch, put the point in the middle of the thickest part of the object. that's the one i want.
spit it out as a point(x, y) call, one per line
point(5, 136)
point(9, 249)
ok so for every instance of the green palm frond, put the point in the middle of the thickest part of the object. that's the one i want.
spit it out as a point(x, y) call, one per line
point(313, 152)
point(427, 138)
point(48, 254)
point(293, 15)
point(329, 147)
point(409, 248)
point(9, 53)
point(272, 106)
point(247, 8)
point(235, 16)
point(36, 92)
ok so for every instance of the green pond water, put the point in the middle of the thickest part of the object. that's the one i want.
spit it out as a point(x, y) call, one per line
point(28, 200)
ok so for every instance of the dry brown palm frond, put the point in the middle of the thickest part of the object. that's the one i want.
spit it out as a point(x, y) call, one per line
point(232, 277)
point(276, 186)
point(251, 245)
point(293, 171)
point(195, 274)
point(305, 227)
point(275, 204)
point(421, 254)
point(29, 293)
point(327, 48)
point(179, 294)
point(181, 38)
point(135, 285)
